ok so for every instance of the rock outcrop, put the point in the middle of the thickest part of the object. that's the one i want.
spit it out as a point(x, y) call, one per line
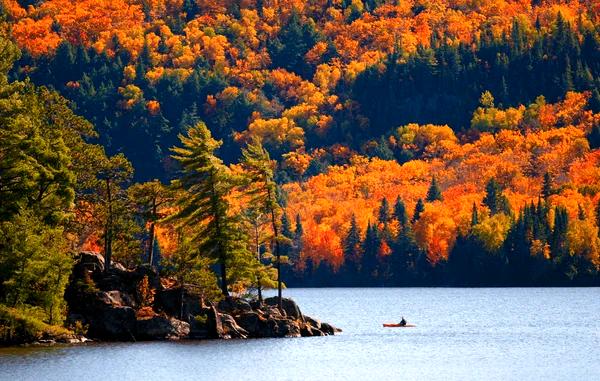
point(114, 306)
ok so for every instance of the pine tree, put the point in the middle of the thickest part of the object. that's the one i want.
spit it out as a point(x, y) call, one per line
point(419, 208)
point(559, 242)
point(400, 212)
point(384, 212)
point(114, 173)
point(370, 249)
point(260, 185)
point(352, 250)
point(494, 199)
point(434, 193)
point(206, 183)
point(293, 41)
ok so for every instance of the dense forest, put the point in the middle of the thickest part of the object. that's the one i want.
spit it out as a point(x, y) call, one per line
point(244, 144)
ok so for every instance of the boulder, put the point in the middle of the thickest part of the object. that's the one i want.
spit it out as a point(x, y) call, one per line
point(312, 322)
point(161, 328)
point(178, 302)
point(307, 330)
point(233, 305)
point(328, 329)
point(252, 322)
point(231, 329)
point(115, 279)
point(289, 306)
point(286, 328)
point(113, 323)
point(91, 260)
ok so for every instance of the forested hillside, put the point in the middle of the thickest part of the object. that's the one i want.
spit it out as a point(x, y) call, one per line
point(246, 143)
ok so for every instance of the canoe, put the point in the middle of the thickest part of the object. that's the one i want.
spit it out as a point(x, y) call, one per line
point(396, 325)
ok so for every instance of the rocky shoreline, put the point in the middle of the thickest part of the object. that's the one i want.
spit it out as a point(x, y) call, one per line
point(113, 306)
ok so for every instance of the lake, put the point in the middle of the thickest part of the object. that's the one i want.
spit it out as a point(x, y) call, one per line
point(461, 334)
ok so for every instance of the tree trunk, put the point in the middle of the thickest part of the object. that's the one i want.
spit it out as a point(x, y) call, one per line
point(258, 257)
point(108, 229)
point(277, 254)
point(151, 248)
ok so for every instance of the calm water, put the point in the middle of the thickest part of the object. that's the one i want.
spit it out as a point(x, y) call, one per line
point(461, 334)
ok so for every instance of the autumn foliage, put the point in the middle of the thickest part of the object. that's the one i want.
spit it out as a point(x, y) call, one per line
point(517, 156)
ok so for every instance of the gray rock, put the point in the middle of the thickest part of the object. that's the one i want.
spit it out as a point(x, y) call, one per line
point(233, 305)
point(289, 306)
point(313, 322)
point(113, 323)
point(328, 329)
point(162, 328)
point(91, 260)
point(178, 302)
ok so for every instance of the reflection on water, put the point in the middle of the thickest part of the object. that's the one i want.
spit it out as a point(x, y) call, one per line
point(492, 334)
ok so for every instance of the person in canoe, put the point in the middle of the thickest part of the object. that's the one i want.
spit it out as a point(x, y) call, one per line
point(402, 322)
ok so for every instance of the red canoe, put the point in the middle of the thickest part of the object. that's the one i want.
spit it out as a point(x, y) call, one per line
point(397, 325)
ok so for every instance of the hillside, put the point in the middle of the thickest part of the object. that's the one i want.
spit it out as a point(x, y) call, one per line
point(241, 145)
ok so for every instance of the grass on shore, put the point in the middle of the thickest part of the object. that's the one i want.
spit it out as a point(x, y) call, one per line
point(21, 325)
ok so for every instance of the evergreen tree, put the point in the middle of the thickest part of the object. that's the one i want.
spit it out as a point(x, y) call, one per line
point(594, 135)
point(494, 199)
point(384, 212)
point(434, 193)
point(400, 212)
point(260, 185)
point(293, 41)
point(404, 256)
point(352, 251)
point(114, 174)
point(207, 182)
point(370, 250)
point(298, 236)
point(419, 208)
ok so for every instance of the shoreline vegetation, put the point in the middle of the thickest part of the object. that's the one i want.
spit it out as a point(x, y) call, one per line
point(229, 147)
point(139, 305)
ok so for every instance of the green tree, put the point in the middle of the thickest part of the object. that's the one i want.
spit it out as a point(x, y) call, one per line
point(148, 198)
point(260, 185)
point(434, 193)
point(294, 40)
point(547, 190)
point(206, 183)
point(419, 208)
point(400, 212)
point(115, 172)
point(384, 212)
point(352, 250)
point(494, 199)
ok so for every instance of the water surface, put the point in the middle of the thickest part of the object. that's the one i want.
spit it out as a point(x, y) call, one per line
point(461, 334)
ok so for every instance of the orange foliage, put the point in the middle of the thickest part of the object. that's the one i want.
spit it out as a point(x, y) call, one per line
point(517, 158)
